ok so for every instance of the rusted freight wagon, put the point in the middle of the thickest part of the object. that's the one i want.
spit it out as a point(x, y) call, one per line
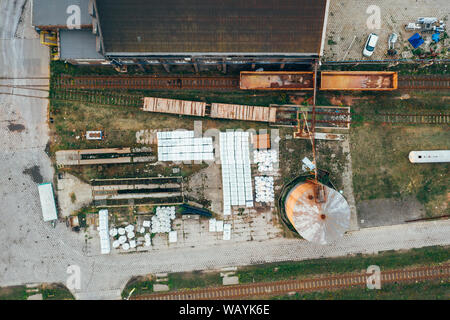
point(358, 80)
point(276, 80)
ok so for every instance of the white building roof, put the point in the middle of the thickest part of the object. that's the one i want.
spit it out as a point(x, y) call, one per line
point(47, 202)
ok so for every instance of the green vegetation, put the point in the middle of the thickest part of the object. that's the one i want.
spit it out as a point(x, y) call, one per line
point(13, 293)
point(410, 291)
point(73, 197)
point(301, 269)
point(54, 291)
point(386, 260)
point(138, 286)
point(191, 280)
point(381, 168)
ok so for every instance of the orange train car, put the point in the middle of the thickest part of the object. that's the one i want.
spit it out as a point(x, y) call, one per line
point(329, 80)
point(276, 80)
point(358, 80)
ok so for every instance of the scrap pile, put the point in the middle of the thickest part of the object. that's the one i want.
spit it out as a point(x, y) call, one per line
point(264, 189)
point(161, 222)
point(265, 159)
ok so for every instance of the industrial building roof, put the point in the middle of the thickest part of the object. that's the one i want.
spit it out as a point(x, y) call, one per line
point(78, 44)
point(133, 27)
point(53, 13)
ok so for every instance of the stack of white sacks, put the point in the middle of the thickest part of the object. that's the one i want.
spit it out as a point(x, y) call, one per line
point(265, 159)
point(126, 237)
point(264, 189)
point(161, 222)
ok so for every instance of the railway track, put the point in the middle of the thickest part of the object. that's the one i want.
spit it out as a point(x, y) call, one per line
point(415, 118)
point(285, 118)
point(304, 285)
point(431, 82)
point(181, 82)
point(98, 97)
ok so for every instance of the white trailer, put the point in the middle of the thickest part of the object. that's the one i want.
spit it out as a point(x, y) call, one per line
point(429, 156)
point(48, 204)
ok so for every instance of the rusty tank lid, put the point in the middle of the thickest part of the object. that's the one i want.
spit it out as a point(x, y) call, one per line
point(319, 214)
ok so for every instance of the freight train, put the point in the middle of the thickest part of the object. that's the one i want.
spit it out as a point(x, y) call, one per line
point(329, 80)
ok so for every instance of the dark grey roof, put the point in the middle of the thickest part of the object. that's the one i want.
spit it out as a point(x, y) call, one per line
point(78, 44)
point(211, 26)
point(54, 12)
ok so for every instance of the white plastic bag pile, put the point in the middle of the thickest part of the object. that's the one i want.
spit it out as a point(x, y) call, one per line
point(265, 159)
point(264, 189)
point(161, 222)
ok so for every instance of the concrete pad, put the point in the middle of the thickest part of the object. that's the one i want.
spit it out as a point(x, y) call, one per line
point(226, 281)
point(36, 297)
point(160, 287)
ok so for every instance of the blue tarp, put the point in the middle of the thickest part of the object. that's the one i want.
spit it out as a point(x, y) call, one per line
point(435, 37)
point(416, 40)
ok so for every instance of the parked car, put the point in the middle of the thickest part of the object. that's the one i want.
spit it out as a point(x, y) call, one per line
point(371, 42)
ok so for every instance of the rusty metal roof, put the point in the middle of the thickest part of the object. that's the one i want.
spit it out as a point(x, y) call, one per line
point(205, 26)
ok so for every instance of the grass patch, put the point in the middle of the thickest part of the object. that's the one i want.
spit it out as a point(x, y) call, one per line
point(54, 291)
point(412, 291)
point(191, 280)
point(141, 285)
point(13, 293)
point(386, 260)
point(301, 269)
point(381, 168)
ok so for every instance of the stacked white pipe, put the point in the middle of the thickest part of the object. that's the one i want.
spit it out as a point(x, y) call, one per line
point(264, 189)
point(161, 222)
point(265, 159)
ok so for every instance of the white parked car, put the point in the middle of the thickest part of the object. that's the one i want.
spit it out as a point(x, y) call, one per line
point(369, 47)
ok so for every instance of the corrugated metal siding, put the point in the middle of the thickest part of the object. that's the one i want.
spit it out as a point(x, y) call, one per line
point(206, 26)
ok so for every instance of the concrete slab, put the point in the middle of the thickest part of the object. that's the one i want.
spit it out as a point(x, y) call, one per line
point(226, 281)
point(36, 297)
point(157, 287)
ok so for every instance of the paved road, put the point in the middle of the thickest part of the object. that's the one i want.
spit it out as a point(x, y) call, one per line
point(31, 251)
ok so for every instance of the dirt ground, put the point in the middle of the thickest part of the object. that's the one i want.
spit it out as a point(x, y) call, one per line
point(382, 212)
point(347, 23)
point(73, 194)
